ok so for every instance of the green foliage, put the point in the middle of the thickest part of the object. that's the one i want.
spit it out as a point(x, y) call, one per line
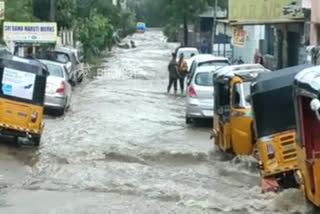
point(95, 33)
point(126, 23)
point(19, 10)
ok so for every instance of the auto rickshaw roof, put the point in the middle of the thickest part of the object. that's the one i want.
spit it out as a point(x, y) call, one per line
point(309, 80)
point(278, 79)
point(248, 72)
point(272, 101)
point(23, 64)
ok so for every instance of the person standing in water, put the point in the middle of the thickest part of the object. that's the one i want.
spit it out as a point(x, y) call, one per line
point(182, 71)
point(173, 75)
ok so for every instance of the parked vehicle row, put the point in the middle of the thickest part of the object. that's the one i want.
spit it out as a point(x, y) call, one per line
point(65, 71)
point(274, 116)
point(28, 85)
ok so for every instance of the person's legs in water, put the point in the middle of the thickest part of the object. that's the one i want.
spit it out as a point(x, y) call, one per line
point(175, 86)
point(181, 80)
point(172, 81)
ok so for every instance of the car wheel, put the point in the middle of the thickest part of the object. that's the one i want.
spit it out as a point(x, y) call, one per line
point(60, 112)
point(188, 120)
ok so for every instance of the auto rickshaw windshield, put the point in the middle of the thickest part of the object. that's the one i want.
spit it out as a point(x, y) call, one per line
point(241, 90)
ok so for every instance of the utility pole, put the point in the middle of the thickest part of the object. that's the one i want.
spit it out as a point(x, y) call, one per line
point(215, 5)
point(53, 10)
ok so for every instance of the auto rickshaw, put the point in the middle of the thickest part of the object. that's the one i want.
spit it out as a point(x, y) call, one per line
point(22, 95)
point(307, 111)
point(232, 129)
point(275, 127)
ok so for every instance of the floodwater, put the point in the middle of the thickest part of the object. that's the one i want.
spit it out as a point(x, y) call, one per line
point(124, 148)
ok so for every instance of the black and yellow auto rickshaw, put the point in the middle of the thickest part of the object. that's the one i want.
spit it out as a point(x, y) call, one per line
point(307, 109)
point(275, 127)
point(22, 95)
point(232, 129)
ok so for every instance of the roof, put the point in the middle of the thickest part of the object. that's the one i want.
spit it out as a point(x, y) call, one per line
point(263, 22)
point(206, 69)
point(244, 69)
point(51, 62)
point(309, 80)
point(187, 49)
point(276, 80)
point(207, 57)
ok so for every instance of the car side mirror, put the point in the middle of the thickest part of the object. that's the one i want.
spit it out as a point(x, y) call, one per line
point(315, 106)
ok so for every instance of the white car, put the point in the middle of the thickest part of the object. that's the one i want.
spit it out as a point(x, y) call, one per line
point(203, 60)
point(199, 103)
point(188, 53)
point(58, 89)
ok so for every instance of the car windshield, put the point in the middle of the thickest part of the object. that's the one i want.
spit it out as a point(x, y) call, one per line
point(54, 70)
point(204, 79)
point(61, 57)
point(214, 63)
point(242, 90)
point(188, 54)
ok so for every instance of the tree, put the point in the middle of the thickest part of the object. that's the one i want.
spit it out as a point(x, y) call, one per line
point(19, 10)
point(183, 12)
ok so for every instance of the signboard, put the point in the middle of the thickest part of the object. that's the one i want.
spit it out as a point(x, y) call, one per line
point(30, 32)
point(238, 36)
point(2, 10)
point(265, 10)
point(17, 83)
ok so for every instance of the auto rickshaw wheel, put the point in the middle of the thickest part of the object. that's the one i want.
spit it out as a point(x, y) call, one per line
point(36, 140)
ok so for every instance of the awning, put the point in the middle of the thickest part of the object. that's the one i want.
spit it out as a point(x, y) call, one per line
point(265, 22)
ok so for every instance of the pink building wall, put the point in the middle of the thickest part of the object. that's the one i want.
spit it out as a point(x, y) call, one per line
point(315, 23)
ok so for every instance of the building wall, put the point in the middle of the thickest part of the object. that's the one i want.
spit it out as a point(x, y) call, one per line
point(315, 22)
point(253, 36)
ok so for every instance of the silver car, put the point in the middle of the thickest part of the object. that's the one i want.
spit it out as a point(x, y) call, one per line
point(200, 95)
point(58, 89)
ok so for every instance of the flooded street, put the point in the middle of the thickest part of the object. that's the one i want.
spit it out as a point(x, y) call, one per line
point(124, 148)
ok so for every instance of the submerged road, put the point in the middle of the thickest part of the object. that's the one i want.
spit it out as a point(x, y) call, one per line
point(124, 148)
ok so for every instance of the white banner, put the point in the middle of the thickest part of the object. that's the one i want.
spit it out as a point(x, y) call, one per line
point(30, 32)
point(17, 83)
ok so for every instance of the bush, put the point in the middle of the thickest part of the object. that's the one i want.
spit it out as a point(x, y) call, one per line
point(95, 33)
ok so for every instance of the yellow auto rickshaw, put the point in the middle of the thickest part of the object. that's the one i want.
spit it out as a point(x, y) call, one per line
point(22, 95)
point(307, 111)
point(232, 129)
point(275, 127)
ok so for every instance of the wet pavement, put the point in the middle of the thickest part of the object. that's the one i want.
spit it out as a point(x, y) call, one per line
point(124, 148)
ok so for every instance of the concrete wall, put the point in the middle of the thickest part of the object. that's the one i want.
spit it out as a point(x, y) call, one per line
point(253, 35)
point(315, 21)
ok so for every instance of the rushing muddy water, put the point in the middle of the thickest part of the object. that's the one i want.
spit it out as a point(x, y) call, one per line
point(124, 148)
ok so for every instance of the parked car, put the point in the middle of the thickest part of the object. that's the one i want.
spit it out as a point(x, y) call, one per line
point(202, 60)
point(188, 53)
point(199, 103)
point(58, 88)
point(78, 65)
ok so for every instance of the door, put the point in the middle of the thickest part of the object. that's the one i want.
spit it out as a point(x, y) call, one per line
point(241, 118)
point(293, 48)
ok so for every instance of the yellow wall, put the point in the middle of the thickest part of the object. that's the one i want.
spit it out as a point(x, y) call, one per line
point(260, 10)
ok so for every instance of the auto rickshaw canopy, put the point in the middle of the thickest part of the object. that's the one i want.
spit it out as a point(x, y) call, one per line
point(23, 80)
point(308, 82)
point(272, 101)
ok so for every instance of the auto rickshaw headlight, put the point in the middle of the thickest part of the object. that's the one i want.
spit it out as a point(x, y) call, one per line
point(270, 151)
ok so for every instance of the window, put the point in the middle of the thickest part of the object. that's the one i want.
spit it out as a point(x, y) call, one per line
point(204, 79)
point(240, 92)
point(54, 70)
